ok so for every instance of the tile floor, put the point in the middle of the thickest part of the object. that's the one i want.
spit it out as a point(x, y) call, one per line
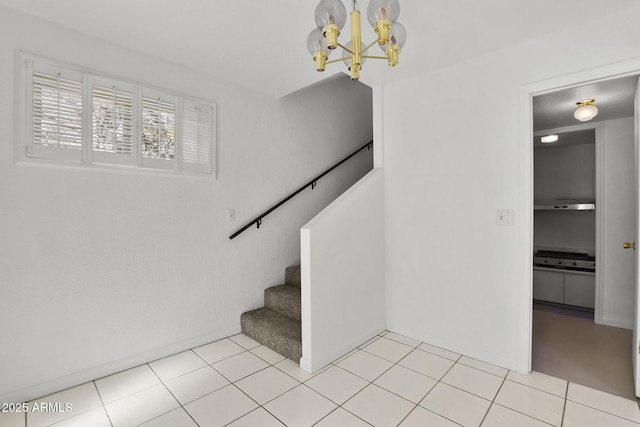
point(391, 380)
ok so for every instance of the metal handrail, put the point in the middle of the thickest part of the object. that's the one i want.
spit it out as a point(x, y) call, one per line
point(258, 220)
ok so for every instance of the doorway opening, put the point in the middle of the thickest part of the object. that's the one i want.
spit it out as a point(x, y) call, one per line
point(583, 284)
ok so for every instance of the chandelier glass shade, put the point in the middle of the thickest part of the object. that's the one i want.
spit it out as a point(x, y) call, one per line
point(331, 17)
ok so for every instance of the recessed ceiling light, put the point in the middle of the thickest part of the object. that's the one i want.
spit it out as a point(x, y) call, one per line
point(548, 139)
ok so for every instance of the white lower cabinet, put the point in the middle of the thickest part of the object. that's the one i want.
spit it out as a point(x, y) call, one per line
point(548, 286)
point(564, 287)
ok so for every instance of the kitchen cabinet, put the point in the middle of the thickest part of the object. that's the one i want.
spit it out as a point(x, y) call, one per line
point(548, 286)
point(575, 288)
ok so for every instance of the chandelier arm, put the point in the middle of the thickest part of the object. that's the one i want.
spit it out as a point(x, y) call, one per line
point(367, 48)
point(338, 60)
point(346, 48)
point(374, 57)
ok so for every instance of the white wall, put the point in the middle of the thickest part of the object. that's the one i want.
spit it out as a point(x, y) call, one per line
point(565, 172)
point(343, 274)
point(456, 149)
point(103, 269)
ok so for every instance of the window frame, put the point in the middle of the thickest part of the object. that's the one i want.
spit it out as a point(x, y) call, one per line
point(26, 150)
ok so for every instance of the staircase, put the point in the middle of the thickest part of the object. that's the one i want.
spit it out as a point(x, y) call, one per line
point(278, 324)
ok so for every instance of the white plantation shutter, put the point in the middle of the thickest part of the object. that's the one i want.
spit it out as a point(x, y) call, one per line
point(198, 130)
point(113, 121)
point(71, 115)
point(56, 111)
point(158, 131)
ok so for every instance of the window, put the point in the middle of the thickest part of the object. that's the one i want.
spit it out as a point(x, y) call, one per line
point(76, 117)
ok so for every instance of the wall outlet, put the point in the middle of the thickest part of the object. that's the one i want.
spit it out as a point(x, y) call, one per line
point(231, 215)
point(504, 217)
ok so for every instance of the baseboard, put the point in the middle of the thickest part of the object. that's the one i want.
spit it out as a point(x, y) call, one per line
point(313, 363)
point(62, 383)
point(617, 323)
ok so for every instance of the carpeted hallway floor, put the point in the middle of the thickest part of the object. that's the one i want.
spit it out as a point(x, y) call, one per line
point(569, 346)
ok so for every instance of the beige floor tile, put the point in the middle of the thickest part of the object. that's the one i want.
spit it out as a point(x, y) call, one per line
point(474, 381)
point(245, 341)
point(379, 407)
point(292, 369)
point(532, 402)
point(402, 339)
point(300, 407)
point(239, 366)
point(176, 418)
point(344, 356)
point(577, 415)
point(456, 405)
point(606, 402)
point(427, 364)
point(176, 365)
point(196, 384)
point(82, 398)
point(126, 383)
point(266, 385)
point(406, 383)
point(341, 418)
point(219, 350)
point(420, 417)
point(499, 416)
point(220, 407)
point(483, 366)
point(439, 351)
point(365, 365)
point(268, 355)
point(257, 418)
point(94, 418)
point(337, 384)
point(369, 341)
point(388, 349)
point(540, 381)
point(141, 407)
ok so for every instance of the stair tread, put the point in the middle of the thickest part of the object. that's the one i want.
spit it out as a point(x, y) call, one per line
point(284, 299)
point(281, 333)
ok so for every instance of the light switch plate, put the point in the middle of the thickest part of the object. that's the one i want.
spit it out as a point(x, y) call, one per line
point(504, 217)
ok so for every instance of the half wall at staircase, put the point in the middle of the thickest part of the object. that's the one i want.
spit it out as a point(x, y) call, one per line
point(343, 291)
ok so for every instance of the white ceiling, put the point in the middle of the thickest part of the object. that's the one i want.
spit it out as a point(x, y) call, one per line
point(614, 99)
point(262, 44)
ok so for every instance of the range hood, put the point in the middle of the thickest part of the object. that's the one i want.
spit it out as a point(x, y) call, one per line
point(564, 205)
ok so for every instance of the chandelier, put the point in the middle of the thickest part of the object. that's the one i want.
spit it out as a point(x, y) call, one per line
point(331, 16)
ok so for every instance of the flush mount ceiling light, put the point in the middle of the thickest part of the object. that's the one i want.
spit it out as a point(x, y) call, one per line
point(549, 139)
point(331, 15)
point(586, 110)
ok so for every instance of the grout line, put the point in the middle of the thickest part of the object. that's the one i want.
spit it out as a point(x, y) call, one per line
point(409, 413)
point(104, 406)
point(181, 406)
point(564, 407)
point(493, 401)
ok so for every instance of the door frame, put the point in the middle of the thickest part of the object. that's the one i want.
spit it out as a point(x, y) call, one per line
point(527, 93)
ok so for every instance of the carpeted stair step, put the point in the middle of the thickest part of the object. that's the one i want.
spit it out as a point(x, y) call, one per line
point(277, 331)
point(284, 299)
point(292, 276)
